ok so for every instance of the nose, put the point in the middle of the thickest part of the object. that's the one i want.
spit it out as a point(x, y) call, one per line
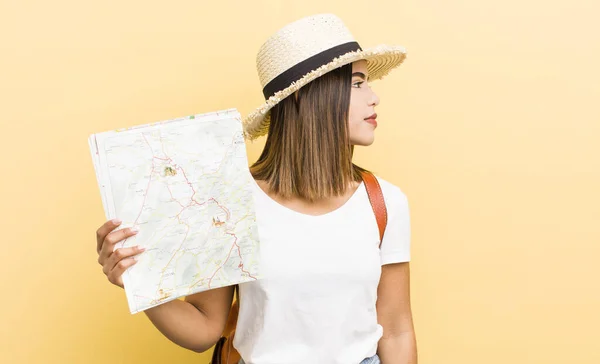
point(374, 100)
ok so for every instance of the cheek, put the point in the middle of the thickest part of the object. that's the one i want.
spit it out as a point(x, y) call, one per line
point(354, 112)
point(353, 123)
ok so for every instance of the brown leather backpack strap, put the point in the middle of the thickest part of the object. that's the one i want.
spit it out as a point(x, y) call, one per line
point(224, 352)
point(377, 202)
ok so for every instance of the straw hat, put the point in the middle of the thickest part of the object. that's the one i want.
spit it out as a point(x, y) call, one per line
point(304, 50)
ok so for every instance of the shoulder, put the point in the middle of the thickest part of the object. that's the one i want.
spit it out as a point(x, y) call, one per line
point(395, 247)
point(393, 195)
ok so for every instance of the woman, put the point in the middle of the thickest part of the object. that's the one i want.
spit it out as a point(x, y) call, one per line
point(330, 293)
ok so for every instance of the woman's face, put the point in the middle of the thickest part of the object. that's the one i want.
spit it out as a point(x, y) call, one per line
point(362, 106)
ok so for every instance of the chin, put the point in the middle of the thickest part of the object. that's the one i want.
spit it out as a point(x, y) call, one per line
point(364, 141)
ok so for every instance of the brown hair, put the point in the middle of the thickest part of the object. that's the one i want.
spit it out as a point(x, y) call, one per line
point(308, 152)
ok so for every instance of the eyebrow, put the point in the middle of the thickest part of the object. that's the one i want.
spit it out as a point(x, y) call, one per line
point(359, 74)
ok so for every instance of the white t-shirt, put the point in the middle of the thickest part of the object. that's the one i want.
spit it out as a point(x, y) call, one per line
point(316, 302)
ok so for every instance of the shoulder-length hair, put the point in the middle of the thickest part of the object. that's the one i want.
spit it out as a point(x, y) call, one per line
point(308, 152)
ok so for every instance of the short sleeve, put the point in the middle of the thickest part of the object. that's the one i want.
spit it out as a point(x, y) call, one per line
point(395, 247)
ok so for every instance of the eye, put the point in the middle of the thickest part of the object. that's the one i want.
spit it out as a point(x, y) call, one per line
point(357, 84)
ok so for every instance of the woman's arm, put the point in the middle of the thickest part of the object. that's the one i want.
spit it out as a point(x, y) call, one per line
point(196, 323)
point(398, 344)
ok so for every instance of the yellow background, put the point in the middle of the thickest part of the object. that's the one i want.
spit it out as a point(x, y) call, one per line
point(491, 127)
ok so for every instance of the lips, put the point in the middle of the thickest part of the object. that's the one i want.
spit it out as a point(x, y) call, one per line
point(372, 119)
point(374, 116)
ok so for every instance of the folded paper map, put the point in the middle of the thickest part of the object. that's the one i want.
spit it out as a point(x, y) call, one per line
point(185, 184)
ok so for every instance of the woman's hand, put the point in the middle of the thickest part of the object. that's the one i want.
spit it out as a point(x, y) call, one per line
point(115, 262)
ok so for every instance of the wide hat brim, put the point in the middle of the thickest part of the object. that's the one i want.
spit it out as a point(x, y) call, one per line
point(380, 61)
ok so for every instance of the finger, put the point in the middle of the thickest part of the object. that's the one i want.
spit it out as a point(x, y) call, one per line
point(106, 228)
point(115, 276)
point(119, 255)
point(108, 246)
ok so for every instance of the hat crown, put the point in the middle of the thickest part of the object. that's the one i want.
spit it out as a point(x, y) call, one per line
point(298, 41)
